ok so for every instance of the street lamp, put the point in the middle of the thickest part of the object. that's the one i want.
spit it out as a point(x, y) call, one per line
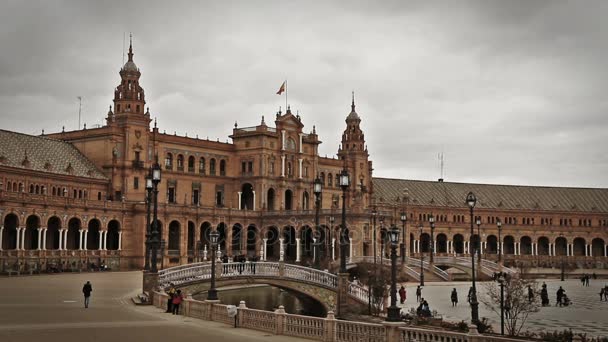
point(432, 245)
point(393, 311)
point(563, 272)
point(317, 189)
point(499, 225)
point(421, 257)
point(212, 293)
point(478, 222)
point(344, 183)
point(374, 214)
point(149, 188)
point(471, 200)
point(501, 278)
point(402, 247)
point(154, 235)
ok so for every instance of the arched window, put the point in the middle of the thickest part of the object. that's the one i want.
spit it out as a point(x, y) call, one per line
point(212, 167)
point(31, 188)
point(330, 180)
point(322, 178)
point(180, 162)
point(222, 167)
point(191, 164)
point(169, 161)
point(289, 170)
point(201, 166)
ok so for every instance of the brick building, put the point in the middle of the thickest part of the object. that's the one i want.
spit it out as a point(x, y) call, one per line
point(69, 199)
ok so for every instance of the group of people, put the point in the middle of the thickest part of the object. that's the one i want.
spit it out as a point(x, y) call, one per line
point(562, 298)
point(604, 293)
point(174, 300)
point(585, 279)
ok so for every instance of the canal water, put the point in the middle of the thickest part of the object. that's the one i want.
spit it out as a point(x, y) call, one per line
point(269, 298)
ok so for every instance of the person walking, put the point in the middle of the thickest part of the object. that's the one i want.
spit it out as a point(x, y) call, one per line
point(454, 297)
point(587, 280)
point(544, 295)
point(601, 294)
point(418, 293)
point(87, 289)
point(402, 294)
point(560, 294)
point(171, 293)
point(176, 301)
point(606, 292)
point(530, 294)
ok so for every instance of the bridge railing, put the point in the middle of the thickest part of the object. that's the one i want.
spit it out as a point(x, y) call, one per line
point(232, 269)
point(427, 266)
point(182, 275)
point(312, 275)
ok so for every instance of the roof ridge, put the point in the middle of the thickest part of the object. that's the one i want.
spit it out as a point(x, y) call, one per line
point(489, 184)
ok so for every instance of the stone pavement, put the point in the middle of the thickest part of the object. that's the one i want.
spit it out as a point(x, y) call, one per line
point(587, 314)
point(50, 307)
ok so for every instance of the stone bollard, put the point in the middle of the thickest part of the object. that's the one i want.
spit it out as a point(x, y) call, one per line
point(330, 327)
point(187, 303)
point(280, 317)
point(239, 314)
point(474, 335)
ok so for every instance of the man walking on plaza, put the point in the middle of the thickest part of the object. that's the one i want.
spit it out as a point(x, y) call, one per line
point(87, 289)
point(418, 293)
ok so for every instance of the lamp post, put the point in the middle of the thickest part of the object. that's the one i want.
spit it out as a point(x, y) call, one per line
point(212, 293)
point(478, 222)
point(344, 183)
point(393, 311)
point(471, 200)
point(421, 258)
point(154, 235)
point(149, 188)
point(402, 247)
point(500, 277)
point(317, 188)
point(499, 225)
point(374, 214)
point(432, 244)
point(563, 273)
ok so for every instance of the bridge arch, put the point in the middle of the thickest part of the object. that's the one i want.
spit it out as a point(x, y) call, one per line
point(597, 247)
point(543, 245)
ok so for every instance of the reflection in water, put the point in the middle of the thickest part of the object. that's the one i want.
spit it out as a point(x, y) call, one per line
point(269, 298)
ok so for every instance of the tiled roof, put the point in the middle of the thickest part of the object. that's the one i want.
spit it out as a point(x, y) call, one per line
point(489, 196)
point(45, 155)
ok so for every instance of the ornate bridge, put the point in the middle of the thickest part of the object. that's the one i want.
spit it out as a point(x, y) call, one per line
point(320, 285)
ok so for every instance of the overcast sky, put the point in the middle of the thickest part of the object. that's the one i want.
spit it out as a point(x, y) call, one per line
point(511, 92)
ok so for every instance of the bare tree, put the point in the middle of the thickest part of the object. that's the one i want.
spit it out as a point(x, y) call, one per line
point(376, 279)
point(517, 304)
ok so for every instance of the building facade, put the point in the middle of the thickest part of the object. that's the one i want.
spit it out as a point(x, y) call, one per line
point(69, 199)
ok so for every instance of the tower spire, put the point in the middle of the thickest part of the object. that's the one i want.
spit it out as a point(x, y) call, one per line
point(352, 106)
point(130, 47)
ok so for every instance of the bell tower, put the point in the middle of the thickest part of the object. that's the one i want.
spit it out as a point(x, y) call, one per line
point(129, 96)
point(353, 153)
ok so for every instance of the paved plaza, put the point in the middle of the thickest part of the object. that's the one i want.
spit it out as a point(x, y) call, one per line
point(50, 308)
point(587, 314)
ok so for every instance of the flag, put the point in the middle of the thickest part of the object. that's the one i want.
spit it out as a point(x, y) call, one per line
point(282, 89)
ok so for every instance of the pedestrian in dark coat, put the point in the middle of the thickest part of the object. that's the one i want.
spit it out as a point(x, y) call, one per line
point(454, 297)
point(418, 293)
point(87, 289)
point(402, 294)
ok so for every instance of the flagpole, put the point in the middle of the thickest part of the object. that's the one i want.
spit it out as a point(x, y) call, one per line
point(286, 96)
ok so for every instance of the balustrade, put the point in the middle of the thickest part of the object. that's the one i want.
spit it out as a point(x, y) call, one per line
point(357, 331)
point(258, 319)
point(304, 326)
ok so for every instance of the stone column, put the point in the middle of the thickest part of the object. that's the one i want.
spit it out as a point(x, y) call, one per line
point(434, 247)
point(100, 239)
point(605, 250)
point(23, 238)
point(105, 240)
point(44, 231)
point(205, 253)
point(264, 248)
point(18, 238)
point(502, 248)
point(253, 200)
point(466, 247)
point(282, 140)
point(85, 240)
point(333, 249)
point(120, 240)
point(1, 231)
point(298, 249)
point(60, 239)
point(569, 249)
point(281, 250)
point(314, 250)
point(587, 250)
point(282, 166)
point(80, 239)
point(517, 248)
point(300, 168)
point(239, 199)
point(300, 149)
point(350, 250)
point(39, 240)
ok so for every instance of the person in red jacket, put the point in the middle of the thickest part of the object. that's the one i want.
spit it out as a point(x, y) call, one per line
point(176, 301)
point(402, 294)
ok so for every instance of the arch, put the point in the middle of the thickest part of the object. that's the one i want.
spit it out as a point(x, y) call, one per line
point(491, 244)
point(561, 245)
point(191, 161)
point(180, 162)
point(305, 200)
point(542, 246)
point(93, 229)
point(288, 199)
point(221, 229)
point(412, 241)
point(173, 243)
point(273, 247)
point(442, 243)
point(306, 236)
point(190, 241)
point(53, 226)
point(458, 244)
point(579, 247)
point(597, 247)
point(205, 234)
point(247, 197)
point(322, 178)
point(169, 161)
point(289, 239)
point(509, 245)
point(270, 195)
point(222, 167)
point(235, 244)
point(212, 166)
point(30, 241)
point(9, 233)
point(525, 245)
point(73, 236)
point(113, 234)
point(252, 240)
point(425, 243)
